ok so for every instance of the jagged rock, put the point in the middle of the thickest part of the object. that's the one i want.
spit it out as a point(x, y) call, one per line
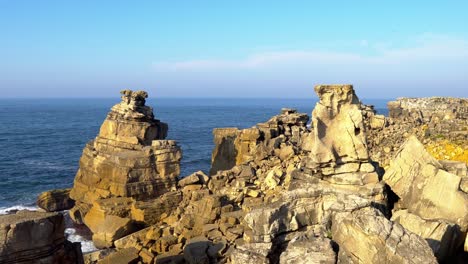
point(151, 211)
point(94, 257)
point(251, 253)
point(309, 251)
point(377, 121)
point(109, 219)
point(133, 239)
point(36, 237)
point(339, 128)
point(366, 236)
point(439, 122)
point(310, 205)
point(236, 147)
point(275, 191)
point(129, 157)
point(124, 256)
point(429, 109)
point(197, 177)
point(111, 229)
point(424, 188)
point(455, 167)
point(225, 153)
point(195, 252)
point(441, 236)
point(55, 200)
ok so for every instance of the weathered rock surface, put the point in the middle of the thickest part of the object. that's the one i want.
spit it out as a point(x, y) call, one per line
point(309, 251)
point(424, 188)
point(129, 157)
point(127, 166)
point(366, 236)
point(235, 147)
point(339, 128)
point(443, 237)
point(440, 123)
point(36, 237)
point(432, 202)
point(55, 200)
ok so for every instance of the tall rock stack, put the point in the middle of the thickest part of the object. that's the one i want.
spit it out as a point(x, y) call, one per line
point(339, 152)
point(129, 160)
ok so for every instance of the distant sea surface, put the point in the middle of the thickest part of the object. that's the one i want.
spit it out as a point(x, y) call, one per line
point(41, 140)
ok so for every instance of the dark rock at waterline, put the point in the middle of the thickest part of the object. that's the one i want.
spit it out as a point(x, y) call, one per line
point(55, 200)
point(36, 237)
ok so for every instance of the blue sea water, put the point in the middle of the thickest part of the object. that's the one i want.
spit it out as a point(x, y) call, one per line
point(41, 140)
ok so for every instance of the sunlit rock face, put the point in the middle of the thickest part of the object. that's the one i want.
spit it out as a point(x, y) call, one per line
point(339, 128)
point(128, 158)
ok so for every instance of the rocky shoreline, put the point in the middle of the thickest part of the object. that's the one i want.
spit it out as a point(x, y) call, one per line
point(354, 187)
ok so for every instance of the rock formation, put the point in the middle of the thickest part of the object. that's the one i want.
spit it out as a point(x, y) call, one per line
point(278, 192)
point(338, 126)
point(366, 236)
point(55, 200)
point(441, 124)
point(129, 161)
point(435, 206)
point(36, 237)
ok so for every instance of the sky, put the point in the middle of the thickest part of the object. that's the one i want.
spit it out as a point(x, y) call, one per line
point(280, 49)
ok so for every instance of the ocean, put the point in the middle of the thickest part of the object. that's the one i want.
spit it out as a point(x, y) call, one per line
point(41, 140)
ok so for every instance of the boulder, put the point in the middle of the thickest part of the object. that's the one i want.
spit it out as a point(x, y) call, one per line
point(111, 229)
point(55, 200)
point(424, 188)
point(94, 257)
point(366, 236)
point(151, 211)
point(309, 251)
point(442, 237)
point(124, 256)
point(110, 219)
point(191, 179)
point(251, 253)
point(225, 152)
point(36, 237)
point(195, 251)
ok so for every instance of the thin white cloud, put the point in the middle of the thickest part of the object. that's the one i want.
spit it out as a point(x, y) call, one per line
point(426, 48)
point(429, 65)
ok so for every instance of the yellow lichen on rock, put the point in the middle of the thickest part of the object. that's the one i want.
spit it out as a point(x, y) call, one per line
point(447, 150)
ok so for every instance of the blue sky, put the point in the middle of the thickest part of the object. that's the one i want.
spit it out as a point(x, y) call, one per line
point(270, 48)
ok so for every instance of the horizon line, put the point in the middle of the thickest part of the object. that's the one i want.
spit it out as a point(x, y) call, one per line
point(209, 97)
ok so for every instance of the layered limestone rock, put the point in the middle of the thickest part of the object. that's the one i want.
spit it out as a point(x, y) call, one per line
point(55, 200)
point(36, 237)
point(235, 147)
point(129, 157)
point(434, 203)
point(128, 163)
point(339, 152)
